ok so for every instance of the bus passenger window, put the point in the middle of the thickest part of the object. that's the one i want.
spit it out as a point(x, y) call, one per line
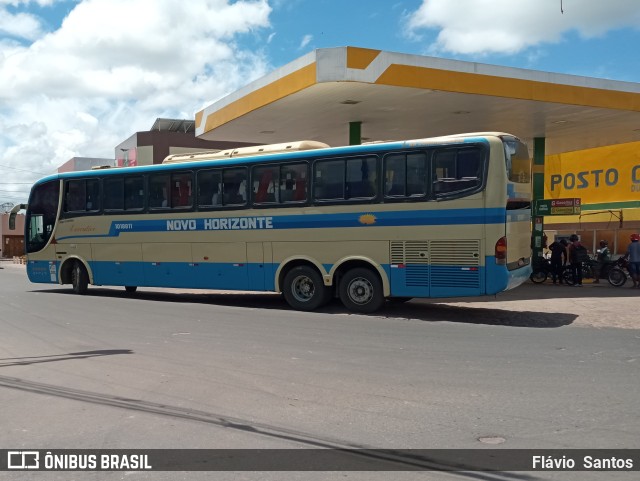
point(416, 175)
point(113, 194)
point(266, 183)
point(405, 175)
point(395, 175)
point(329, 180)
point(209, 188)
point(75, 196)
point(158, 191)
point(93, 195)
point(234, 186)
point(362, 178)
point(457, 171)
point(133, 193)
point(216, 196)
point(293, 183)
point(181, 190)
point(82, 196)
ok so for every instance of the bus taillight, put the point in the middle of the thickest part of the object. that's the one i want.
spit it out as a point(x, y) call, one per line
point(501, 251)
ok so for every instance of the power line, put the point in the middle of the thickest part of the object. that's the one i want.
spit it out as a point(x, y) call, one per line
point(22, 170)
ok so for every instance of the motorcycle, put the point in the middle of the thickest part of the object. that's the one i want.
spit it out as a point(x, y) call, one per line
point(619, 273)
point(542, 270)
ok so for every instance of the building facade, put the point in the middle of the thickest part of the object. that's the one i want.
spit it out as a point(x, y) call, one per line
point(12, 240)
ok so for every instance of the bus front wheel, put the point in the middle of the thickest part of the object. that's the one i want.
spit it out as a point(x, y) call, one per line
point(79, 278)
point(131, 289)
point(304, 289)
point(361, 290)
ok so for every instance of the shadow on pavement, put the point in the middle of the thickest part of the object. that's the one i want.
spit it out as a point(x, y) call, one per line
point(427, 310)
point(27, 360)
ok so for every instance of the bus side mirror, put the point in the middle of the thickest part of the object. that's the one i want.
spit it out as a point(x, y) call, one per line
point(13, 213)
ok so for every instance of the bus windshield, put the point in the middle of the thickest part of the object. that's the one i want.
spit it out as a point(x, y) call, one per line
point(41, 215)
point(518, 161)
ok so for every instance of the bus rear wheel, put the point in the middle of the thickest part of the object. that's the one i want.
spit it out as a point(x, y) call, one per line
point(131, 289)
point(361, 290)
point(304, 289)
point(79, 278)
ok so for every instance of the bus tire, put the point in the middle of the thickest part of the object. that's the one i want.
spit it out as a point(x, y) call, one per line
point(131, 289)
point(361, 290)
point(79, 278)
point(304, 289)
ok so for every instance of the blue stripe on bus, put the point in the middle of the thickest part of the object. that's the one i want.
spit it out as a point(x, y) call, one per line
point(435, 282)
point(308, 221)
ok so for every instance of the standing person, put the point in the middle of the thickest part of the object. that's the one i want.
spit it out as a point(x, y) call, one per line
point(577, 255)
point(604, 256)
point(633, 254)
point(558, 259)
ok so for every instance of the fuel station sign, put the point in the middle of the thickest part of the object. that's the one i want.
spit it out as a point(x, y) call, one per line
point(557, 207)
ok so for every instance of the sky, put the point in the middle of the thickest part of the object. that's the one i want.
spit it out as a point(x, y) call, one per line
point(77, 77)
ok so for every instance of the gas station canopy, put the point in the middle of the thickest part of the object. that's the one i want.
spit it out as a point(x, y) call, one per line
point(394, 96)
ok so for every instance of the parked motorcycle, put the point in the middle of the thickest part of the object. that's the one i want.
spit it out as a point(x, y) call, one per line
point(610, 271)
point(542, 270)
point(619, 273)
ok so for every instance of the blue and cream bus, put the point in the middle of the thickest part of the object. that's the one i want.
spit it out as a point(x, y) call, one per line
point(439, 217)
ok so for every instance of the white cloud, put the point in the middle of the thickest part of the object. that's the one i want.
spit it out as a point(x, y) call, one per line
point(305, 41)
point(510, 26)
point(112, 67)
point(21, 25)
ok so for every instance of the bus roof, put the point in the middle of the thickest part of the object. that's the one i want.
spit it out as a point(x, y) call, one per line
point(254, 150)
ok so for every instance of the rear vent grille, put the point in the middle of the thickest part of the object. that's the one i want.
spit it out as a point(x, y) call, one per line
point(397, 253)
point(410, 252)
point(417, 276)
point(455, 252)
point(438, 263)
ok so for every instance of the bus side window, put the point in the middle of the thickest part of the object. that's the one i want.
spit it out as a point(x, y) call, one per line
point(234, 186)
point(209, 188)
point(75, 196)
point(93, 195)
point(181, 190)
point(293, 183)
point(405, 175)
point(329, 180)
point(114, 194)
point(416, 175)
point(361, 178)
point(469, 163)
point(158, 191)
point(266, 184)
point(457, 171)
point(133, 193)
point(395, 175)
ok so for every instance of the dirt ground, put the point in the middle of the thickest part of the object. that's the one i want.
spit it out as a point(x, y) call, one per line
point(593, 305)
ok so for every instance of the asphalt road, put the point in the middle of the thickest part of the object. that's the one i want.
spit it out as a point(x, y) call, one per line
point(538, 367)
